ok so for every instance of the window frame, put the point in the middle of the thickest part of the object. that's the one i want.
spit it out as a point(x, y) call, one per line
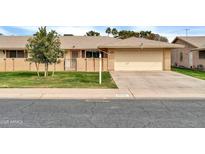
point(201, 52)
point(8, 54)
point(93, 53)
point(181, 56)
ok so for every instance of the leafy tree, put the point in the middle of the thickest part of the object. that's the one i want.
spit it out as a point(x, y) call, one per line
point(108, 31)
point(92, 33)
point(145, 34)
point(163, 39)
point(152, 36)
point(114, 32)
point(157, 37)
point(44, 47)
point(123, 34)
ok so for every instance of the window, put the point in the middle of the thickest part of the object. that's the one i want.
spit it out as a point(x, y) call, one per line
point(20, 54)
point(11, 54)
point(96, 54)
point(89, 54)
point(201, 54)
point(74, 54)
point(16, 54)
point(92, 54)
point(181, 56)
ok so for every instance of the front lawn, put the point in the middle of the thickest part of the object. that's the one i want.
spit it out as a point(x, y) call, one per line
point(60, 80)
point(193, 73)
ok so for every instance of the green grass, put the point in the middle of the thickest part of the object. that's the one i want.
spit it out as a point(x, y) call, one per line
point(193, 73)
point(59, 80)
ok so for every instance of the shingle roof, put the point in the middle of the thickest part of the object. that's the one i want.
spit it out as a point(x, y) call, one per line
point(88, 42)
point(13, 42)
point(85, 42)
point(67, 42)
point(196, 41)
point(134, 42)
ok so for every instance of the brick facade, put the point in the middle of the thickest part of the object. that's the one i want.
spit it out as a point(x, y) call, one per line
point(21, 64)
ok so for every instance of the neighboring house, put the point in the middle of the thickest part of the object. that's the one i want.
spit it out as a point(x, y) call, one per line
point(193, 55)
point(82, 54)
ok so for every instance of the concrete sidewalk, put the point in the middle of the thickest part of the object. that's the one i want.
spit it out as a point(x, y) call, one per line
point(64, 93)
point(69, 93)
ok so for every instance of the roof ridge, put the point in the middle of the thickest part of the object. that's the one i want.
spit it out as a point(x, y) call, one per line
point(148, 40)
point(136, 42)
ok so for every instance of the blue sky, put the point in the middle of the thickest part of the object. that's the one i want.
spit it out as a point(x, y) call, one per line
point(169, 31)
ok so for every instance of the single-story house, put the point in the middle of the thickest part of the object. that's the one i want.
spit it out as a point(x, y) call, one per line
point(82, 54)
point(192, 55)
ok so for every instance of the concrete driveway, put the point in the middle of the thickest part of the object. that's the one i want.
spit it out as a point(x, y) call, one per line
point(160, 84)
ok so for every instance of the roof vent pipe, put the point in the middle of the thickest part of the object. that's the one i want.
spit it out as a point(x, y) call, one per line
point(141, 45)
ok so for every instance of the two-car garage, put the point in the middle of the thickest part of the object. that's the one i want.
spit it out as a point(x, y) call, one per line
point(138, 60)
point(139, 54)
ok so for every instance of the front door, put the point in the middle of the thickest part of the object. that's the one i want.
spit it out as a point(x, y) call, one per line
point(71, 64)
point(74, 56)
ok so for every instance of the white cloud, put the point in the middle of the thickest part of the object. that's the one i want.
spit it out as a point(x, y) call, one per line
point(5, 32)
point(145, 28)
point(31, 29)
point(75, 30)
point(170, 37)
point(72, 30)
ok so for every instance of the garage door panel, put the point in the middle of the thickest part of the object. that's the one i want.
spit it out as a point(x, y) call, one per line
point(138, 60)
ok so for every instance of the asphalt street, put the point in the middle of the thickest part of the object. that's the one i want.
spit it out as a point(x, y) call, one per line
point(102, 113)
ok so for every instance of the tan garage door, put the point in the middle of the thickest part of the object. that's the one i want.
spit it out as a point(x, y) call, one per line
point(141, 60)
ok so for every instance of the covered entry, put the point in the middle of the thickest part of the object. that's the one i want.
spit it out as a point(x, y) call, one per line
point(138, 60)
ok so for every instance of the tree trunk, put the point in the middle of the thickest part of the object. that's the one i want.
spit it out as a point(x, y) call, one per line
point(54, 68)
point(37, 68)
point(46, 70)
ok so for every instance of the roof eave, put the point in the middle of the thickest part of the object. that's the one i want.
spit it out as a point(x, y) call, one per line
point(92, 48)
point(12, 48)
point(128, 47)
point(184, 41)
point(198, 49)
